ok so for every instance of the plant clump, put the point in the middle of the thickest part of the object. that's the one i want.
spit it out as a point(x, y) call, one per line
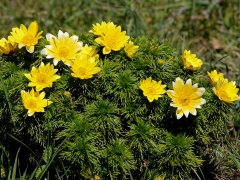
point(116, 107)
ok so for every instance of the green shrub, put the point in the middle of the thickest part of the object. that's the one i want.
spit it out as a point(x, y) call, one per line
point(109, 128)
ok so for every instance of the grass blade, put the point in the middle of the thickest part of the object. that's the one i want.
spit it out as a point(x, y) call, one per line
point(19, 141)
point(50, 162)
point(15, 166)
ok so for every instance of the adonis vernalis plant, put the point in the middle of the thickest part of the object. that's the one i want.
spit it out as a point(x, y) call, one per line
point(7, 46)
point(84, 67)
point(42, 77)
point(214, 76)
point(27, 37)
point(99, 29)
point(104, 105)
point(111, 37)
point(90, 51)
point(34, 101)
point(152, 89)
point(190, 61)
point(62, 48)
point(186, 97)
point(130, 49)
point(226, 91)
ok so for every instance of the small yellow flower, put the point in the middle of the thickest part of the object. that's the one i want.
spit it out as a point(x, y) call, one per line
point(96, 177)
point(62, 48)
point(91, 51)
point(190, 61)
point(26, 37)
point(84, 67)
point(42, 77)
point(3, 173)
point(152, 89)
point(226, 91)
point(161, 62)
point(112, 38)
point(67, 94)
point(34, 102)
point(7, 46)
point(186, 97)
point(214, 76)
point(100, 30)
point(130, 49)
point(159, 178)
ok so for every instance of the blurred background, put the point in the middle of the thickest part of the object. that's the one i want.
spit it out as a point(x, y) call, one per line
point(209, 28)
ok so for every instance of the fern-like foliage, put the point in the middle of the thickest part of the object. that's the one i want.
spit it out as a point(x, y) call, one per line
point(111, 129)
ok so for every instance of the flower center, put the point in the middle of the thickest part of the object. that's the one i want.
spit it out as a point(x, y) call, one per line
point(184, 99)
point(111, 42)
point(31, 104)
point(28, 39)
point(82, 71)
point(63, 51)
point(151, 91)
point(41, 78)
point(222, 94)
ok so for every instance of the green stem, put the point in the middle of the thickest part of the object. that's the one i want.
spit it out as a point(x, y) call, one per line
point(52, 159)
point(88, 161)
point(48, 147)
point(106, 139)
point(7, 97)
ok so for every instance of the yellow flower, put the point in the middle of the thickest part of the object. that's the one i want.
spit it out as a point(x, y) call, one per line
point(7, 46)
point(161, 62)
point(26, 37)
point(96, 177)
point(159, 178)
point(91, 51)
point(214, 76)
point(84, 67)
point(130, 49)
point(112, 38)
point(34, 102)
point(3, 173)
point(62, 48)
point(152, 89)
point(186, 97)
point(190, 61)
point(226, 91)
point(42, 77)
point(100, 29)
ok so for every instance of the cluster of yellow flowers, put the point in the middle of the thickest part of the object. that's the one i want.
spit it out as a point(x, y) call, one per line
point(187, 97)
point(112, 38)
point(7, 46)
point(226, 91)
point(83, 60)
